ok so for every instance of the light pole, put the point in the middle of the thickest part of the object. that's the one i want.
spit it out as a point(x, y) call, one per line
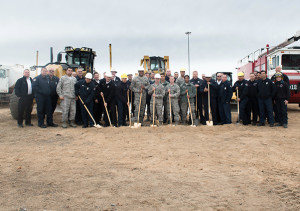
point(188, 34)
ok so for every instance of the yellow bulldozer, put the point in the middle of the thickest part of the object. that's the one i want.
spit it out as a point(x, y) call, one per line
point(155, 64)
point(74, 58)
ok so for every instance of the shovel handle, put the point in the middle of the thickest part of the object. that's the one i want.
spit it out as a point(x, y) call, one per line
point(190, 107)
point(87, 109)
point(129, 108)
point(106, 110)
point(153, 109)
point(140, 106)
point(170, 108)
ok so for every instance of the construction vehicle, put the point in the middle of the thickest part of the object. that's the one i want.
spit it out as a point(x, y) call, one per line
point(269, 58)
point(229, 76)
point(155, 64)
point(73, 58)
point(8, 77)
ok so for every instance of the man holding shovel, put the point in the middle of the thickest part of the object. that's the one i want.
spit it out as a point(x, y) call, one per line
point(213, 95)
point(107, 92)
point(139, 85)
point(86, 90)
point(164, 83)
point(187, 90)
point(173, 92)
point(157, 90)
point(240, 87)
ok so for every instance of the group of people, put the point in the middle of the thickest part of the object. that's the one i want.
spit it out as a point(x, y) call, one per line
point(164, 98)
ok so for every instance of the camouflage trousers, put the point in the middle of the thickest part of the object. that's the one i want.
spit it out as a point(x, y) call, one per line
point(136, 106)
point(68, 106)
point(158, 109)
point(184, 108)
point(175, 109)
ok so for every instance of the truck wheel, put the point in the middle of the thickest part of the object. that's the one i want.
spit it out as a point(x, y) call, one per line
point(13, 105)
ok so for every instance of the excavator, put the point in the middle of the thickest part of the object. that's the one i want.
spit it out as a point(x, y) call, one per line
point(155, 64)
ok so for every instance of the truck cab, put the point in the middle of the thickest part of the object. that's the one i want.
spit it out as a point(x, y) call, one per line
point(289, 60)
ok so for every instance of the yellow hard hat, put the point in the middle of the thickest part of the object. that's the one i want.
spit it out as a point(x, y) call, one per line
point(241, 74)
point(182, 70)
point(124, 75)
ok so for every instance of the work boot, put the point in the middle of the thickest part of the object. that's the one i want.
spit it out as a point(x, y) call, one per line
point(176, 123)
point(64, 124)
point(278, 125)
point(73, 124)
point(161, 123)
point(285, 126)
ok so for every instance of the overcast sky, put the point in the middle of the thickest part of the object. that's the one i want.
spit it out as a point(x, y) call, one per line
point(223, 31)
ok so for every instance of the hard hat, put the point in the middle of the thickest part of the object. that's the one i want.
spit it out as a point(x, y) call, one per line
point(241, 74)
point(129, 74)
point(140, 70)
point(278, 75)
point(109, 75)
point(89, 76)
point(157, 76)
point(182, 70)
point(124, 75)
point(207, 75)
point(113, 70)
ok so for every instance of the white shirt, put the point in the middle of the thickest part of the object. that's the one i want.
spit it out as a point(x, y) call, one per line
point(29, 86)
point(219, 82)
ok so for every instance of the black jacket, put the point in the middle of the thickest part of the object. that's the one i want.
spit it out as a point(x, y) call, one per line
point(200, 82)
point(282, 90)
point(85, 91)
point(265, 89)
point(213, 89)
point(121, 92)
point(80, 79)
point(53, 84)
point(41, 86)
point(252, 89)
point(243, 89)
point(116, 81)
point(225, 92)
point(285, 78)
point(108, 90)
point(97, 95)
point(21, 87)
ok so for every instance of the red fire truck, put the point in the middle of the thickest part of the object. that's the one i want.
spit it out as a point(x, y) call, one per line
point(270, 57)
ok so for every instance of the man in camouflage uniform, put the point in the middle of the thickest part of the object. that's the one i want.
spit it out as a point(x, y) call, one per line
point(180, 80)
point(139, 85)
point(158, 95)
point(187, 90)
point(164, 83)
point(66, 92)
point(173, 90)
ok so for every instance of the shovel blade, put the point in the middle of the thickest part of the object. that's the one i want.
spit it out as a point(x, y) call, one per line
point(97, 126)
point(209, 123)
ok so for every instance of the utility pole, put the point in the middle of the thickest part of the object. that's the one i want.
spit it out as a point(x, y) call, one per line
point(188, 34)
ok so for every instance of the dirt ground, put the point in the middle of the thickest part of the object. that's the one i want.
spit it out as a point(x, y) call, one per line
point(230, 167)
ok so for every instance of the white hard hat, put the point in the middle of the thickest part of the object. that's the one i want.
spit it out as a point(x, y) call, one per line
point(89, 76)
point(113, 70)
point(157, 76)
point(108, 74)
point(208, 75)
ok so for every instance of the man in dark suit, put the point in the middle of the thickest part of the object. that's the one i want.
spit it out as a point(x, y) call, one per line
point(23, 90)
point(107, 90)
